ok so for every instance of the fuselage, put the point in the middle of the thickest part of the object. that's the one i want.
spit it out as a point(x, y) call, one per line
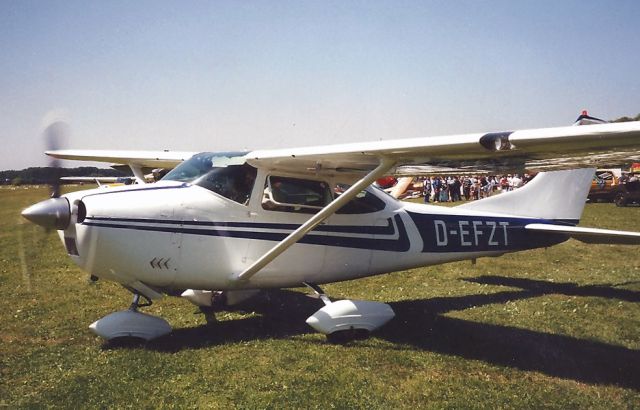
point(178, 235)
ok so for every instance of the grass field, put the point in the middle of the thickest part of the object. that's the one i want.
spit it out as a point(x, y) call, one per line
point(555, 328)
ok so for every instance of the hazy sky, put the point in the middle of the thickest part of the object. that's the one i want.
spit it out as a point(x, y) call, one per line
point(218, 75)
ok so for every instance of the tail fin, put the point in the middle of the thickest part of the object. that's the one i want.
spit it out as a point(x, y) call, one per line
point(557, 195)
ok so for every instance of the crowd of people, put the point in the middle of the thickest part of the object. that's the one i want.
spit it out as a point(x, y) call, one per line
point(469, 187)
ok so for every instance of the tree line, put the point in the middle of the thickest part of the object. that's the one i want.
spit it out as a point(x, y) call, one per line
point(627, 119)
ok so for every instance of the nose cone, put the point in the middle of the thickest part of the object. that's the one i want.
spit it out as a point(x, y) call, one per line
point(52, 213)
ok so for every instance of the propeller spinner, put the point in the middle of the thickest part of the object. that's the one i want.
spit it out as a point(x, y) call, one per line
point(50, 213)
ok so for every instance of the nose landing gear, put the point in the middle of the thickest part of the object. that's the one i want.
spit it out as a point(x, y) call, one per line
point(131, 323)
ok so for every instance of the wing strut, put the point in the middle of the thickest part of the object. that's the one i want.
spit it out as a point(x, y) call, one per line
point(327, 211)
point(137, 172)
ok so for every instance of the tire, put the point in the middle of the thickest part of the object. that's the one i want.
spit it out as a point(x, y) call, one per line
point(345, 336)
point(620, 199)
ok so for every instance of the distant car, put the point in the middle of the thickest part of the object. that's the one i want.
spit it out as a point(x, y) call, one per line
point(604, 185)
point(628, 193)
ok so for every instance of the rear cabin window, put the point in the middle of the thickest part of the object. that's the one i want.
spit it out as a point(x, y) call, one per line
point(234, 182)
point(287, 194)
point(364, 203)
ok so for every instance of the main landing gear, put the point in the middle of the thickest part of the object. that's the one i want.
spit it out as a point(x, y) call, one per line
point(131, 323)
point(341, 321)
point(346, 320)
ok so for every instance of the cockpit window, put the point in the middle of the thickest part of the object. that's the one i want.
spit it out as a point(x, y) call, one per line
point(202, 163)
point(234, 182)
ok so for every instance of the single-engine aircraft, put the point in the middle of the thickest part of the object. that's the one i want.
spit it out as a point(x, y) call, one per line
point(223, 225)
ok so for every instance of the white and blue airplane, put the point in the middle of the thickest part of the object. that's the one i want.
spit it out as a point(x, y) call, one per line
point(227, 224)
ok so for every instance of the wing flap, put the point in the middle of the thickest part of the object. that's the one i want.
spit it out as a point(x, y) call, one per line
point(589, 235)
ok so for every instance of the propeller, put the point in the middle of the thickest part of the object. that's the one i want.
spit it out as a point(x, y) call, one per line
point(53, 213)
point(55, 136)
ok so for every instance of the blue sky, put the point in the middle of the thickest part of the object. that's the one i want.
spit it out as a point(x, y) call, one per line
point(266, 74)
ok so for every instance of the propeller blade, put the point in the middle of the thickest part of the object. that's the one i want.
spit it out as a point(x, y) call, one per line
point(55, 135)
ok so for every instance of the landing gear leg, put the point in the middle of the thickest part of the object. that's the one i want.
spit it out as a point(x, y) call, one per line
point(135, 304)
point(319, 292)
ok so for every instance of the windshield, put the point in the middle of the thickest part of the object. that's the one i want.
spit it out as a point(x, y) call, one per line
point(202, 163)
point(234, 182)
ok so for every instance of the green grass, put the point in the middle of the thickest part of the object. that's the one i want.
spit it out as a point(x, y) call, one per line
point(552, 328)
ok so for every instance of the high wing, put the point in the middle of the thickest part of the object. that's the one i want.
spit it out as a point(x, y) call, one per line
point(147, 159)
point(136, 160)
point(533, 150)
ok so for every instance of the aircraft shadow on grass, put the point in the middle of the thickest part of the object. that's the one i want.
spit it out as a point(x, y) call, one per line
point(421, 324)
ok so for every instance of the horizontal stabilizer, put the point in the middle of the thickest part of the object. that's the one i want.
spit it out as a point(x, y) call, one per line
point(590, 235)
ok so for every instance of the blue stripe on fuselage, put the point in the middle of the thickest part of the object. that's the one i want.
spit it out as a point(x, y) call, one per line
point(439, 233)
point(459, 233)
point(379, 241)
point(356, 229)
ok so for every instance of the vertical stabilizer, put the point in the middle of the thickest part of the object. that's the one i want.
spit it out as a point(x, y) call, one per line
point(559, 195)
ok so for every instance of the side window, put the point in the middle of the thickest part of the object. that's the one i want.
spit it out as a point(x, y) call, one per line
point(365, 202)
point(234, 182)
point(295, 195)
